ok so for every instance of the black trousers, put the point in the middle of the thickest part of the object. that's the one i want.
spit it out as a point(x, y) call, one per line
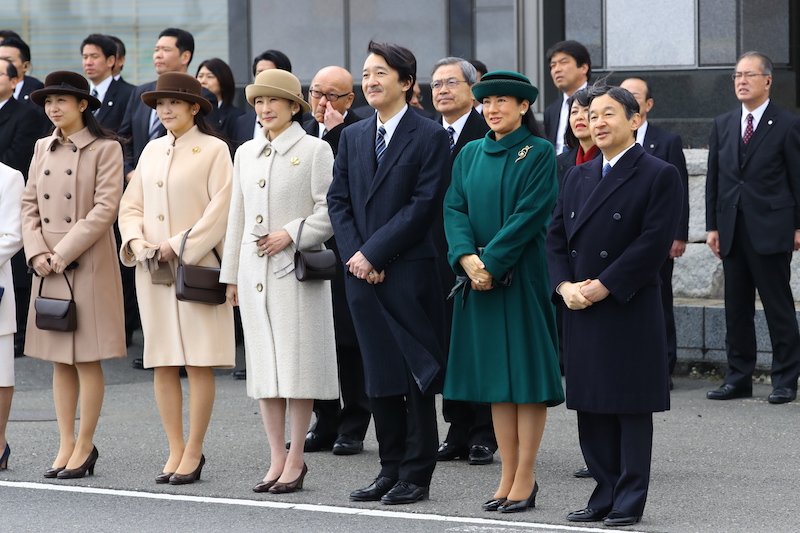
point(408, 438)
point(470, 424)
point(617, 450)
point(22, 293)
point(745, 271)
point(351, 416)
point(669, 315)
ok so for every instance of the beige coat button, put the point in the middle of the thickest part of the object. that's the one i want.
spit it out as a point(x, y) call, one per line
point(259, 219)
point(161, 217)
point(169, 284)
point(259, 287)
point(261, 183)
point(260, 253)
point(160, 183)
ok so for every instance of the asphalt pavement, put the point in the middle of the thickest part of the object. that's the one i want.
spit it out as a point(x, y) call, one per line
point(717, 467)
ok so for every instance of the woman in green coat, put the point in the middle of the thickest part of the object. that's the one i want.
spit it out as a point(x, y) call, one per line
point(504, 345)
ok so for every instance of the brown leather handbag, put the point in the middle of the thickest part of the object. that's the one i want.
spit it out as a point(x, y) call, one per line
point(313, 264)
point(54, 314)
point(198, 284)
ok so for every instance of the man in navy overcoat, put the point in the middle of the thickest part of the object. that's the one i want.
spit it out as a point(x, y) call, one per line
point(389, 180)
point(611, 231)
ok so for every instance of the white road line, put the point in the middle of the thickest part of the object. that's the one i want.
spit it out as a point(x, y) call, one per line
point(300, 507)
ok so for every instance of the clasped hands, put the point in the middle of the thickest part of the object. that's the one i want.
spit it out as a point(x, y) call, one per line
point(480, 278)
point(48, 262)
point(361, 268)
point(582, 294)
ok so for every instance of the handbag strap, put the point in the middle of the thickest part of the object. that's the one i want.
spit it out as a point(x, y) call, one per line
point(183, 243)
point(41, 282)
point(299, 233)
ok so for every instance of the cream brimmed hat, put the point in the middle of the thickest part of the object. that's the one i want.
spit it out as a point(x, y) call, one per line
point(280, 83)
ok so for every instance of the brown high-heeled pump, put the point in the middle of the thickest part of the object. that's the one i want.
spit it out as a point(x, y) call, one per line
point(264, 486)
point(285, 488)
point(185, 479)
point(163, 477)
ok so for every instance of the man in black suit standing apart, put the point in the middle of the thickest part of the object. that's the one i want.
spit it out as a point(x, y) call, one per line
point(753, 223)
point(389, 180)
point(668, 147)
point(18, 52)
point(471, 435)
point(340, 426)
point(611, 231)
point(570, 68)
point(99, 53)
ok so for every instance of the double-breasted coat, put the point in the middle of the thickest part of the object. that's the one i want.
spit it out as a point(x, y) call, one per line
point(288, 325)
point(69, 207)
point(504, 344)
point(180, 184)
point(618, 230)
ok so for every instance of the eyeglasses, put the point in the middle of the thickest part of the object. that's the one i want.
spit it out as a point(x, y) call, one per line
point(746, 75)
point(450, 83)
point(331, 97)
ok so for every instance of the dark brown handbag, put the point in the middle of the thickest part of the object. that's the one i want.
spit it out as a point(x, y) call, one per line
point(313, 264)
point(53, 314)
point(198, 284)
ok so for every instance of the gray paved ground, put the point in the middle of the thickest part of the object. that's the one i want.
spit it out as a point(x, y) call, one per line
point(718, 467)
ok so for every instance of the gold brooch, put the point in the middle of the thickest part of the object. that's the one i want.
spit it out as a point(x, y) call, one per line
point(294, 161)
point(196, 150)
point(267, 151)
point(522, 153)
point(92, 148)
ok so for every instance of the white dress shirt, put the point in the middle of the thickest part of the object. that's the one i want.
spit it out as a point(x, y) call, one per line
point(390, 125)
point(102, 88)
point(757, 114)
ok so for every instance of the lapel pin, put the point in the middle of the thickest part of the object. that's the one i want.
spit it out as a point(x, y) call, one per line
point(652, 146)
point(110, 104)
point(294, 161)
point(196, 150)
point(522, 153)
point(769, 122)
point(92, 148)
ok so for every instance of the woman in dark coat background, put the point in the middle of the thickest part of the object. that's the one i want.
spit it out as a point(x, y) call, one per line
point(215, 75)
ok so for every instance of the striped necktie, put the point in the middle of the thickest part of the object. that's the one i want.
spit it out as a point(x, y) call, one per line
point(380, 145)
point(155, 126)
point(96, 95)
point(606, 169)
point(451, 132)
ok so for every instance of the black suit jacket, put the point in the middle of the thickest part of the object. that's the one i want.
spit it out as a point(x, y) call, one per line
point(42, 122)
point(19, 130)
point(552, 114)
point(764, 185)
point(243, 128)
point(474, 128)
point(668, 146)
point(114, 105)
point(224, 121)
point(332, 137)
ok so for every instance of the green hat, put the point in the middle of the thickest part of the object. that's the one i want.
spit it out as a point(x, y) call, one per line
point(505, 83)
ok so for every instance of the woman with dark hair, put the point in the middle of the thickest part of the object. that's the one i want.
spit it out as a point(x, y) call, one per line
point(577, 137)
point(68, 211)
point(496, 211)
point(182, 183)
point(216, 76)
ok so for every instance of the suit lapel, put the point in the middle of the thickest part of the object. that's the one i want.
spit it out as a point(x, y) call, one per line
point(111, 93)
point(400, 138)
point(650, 140)
point(365, 143)
point(763, 129)
point(7, 110)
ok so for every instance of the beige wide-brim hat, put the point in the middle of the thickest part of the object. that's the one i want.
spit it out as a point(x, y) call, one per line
point(181, 87)
point(280, 83)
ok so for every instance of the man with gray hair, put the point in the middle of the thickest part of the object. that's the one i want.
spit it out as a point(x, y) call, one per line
point(471, 435)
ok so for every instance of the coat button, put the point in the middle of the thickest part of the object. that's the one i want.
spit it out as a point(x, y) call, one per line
point(68, 219)
point(259, 219)
point(259, 287)
point(261, 183)
point(68, 196)
point(74, 148)
point(268, 151)
point(603, 254)
point(46, 196)
point(617, 216)
point(69, 172)
point(53, 148)
point(574, 253)
point(46, 172)
point(169, 284)
point(160, 183)
point(167, 151)
point(260, 253)
point(161, 217)
point(46, 220)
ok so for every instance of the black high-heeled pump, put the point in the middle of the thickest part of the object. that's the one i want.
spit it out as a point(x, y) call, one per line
point(185, 479)
point(293, 486)
point(163, 477)
point(512, 506)
point(86, 467)
point(4, 458)
point(493, 504)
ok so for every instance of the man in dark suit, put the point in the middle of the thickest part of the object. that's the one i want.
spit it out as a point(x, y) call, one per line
point(19, 131)
point(119, 60)
point(668, 147)
point(753, 223)
point(471, 435)
point(339, 426)
point(389, 181)
point(18, 52)
point(98, 53)
point(570, 68)
point(611, 231)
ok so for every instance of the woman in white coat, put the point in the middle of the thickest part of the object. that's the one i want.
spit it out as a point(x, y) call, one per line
point(279, 180)
point(11, 187)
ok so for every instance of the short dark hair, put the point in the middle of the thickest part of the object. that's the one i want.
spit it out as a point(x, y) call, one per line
point(106, 45)
point(480, 66)
point(400, 59)
point(581, 97)
point(5, 34)
point(766, 63)
point(183, 40)
point(575, 50)
point(11, 70)
point(222, 71)
point(19, 44)
point(120, 45)
point(623, 96)
point(276, 56)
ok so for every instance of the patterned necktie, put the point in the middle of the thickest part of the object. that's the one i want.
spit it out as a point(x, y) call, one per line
point(155, 126)
point(380, 144)
point(96, 95)
point(451, 132)
point(748, 130)
point(606, 169)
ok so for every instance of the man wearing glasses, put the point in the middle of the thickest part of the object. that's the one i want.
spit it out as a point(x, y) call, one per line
point(331, 95)
point(753, 223)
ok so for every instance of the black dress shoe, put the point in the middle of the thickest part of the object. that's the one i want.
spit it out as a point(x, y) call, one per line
point(316, 443)
point(616, 518)
point(493, 504)
point(240, 374)
point(448, 452)
point(345, 445)
point(375, 491)
point(404, 492)
point(586, 515)
point(138, 364)
point(782, 395)
point(511, 506)
point(729, 392)
point(480, 455)
point(582, 472)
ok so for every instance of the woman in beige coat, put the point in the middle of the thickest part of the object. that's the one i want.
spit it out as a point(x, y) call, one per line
point(68, 209)
point(182, 183)
point(281, 179)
